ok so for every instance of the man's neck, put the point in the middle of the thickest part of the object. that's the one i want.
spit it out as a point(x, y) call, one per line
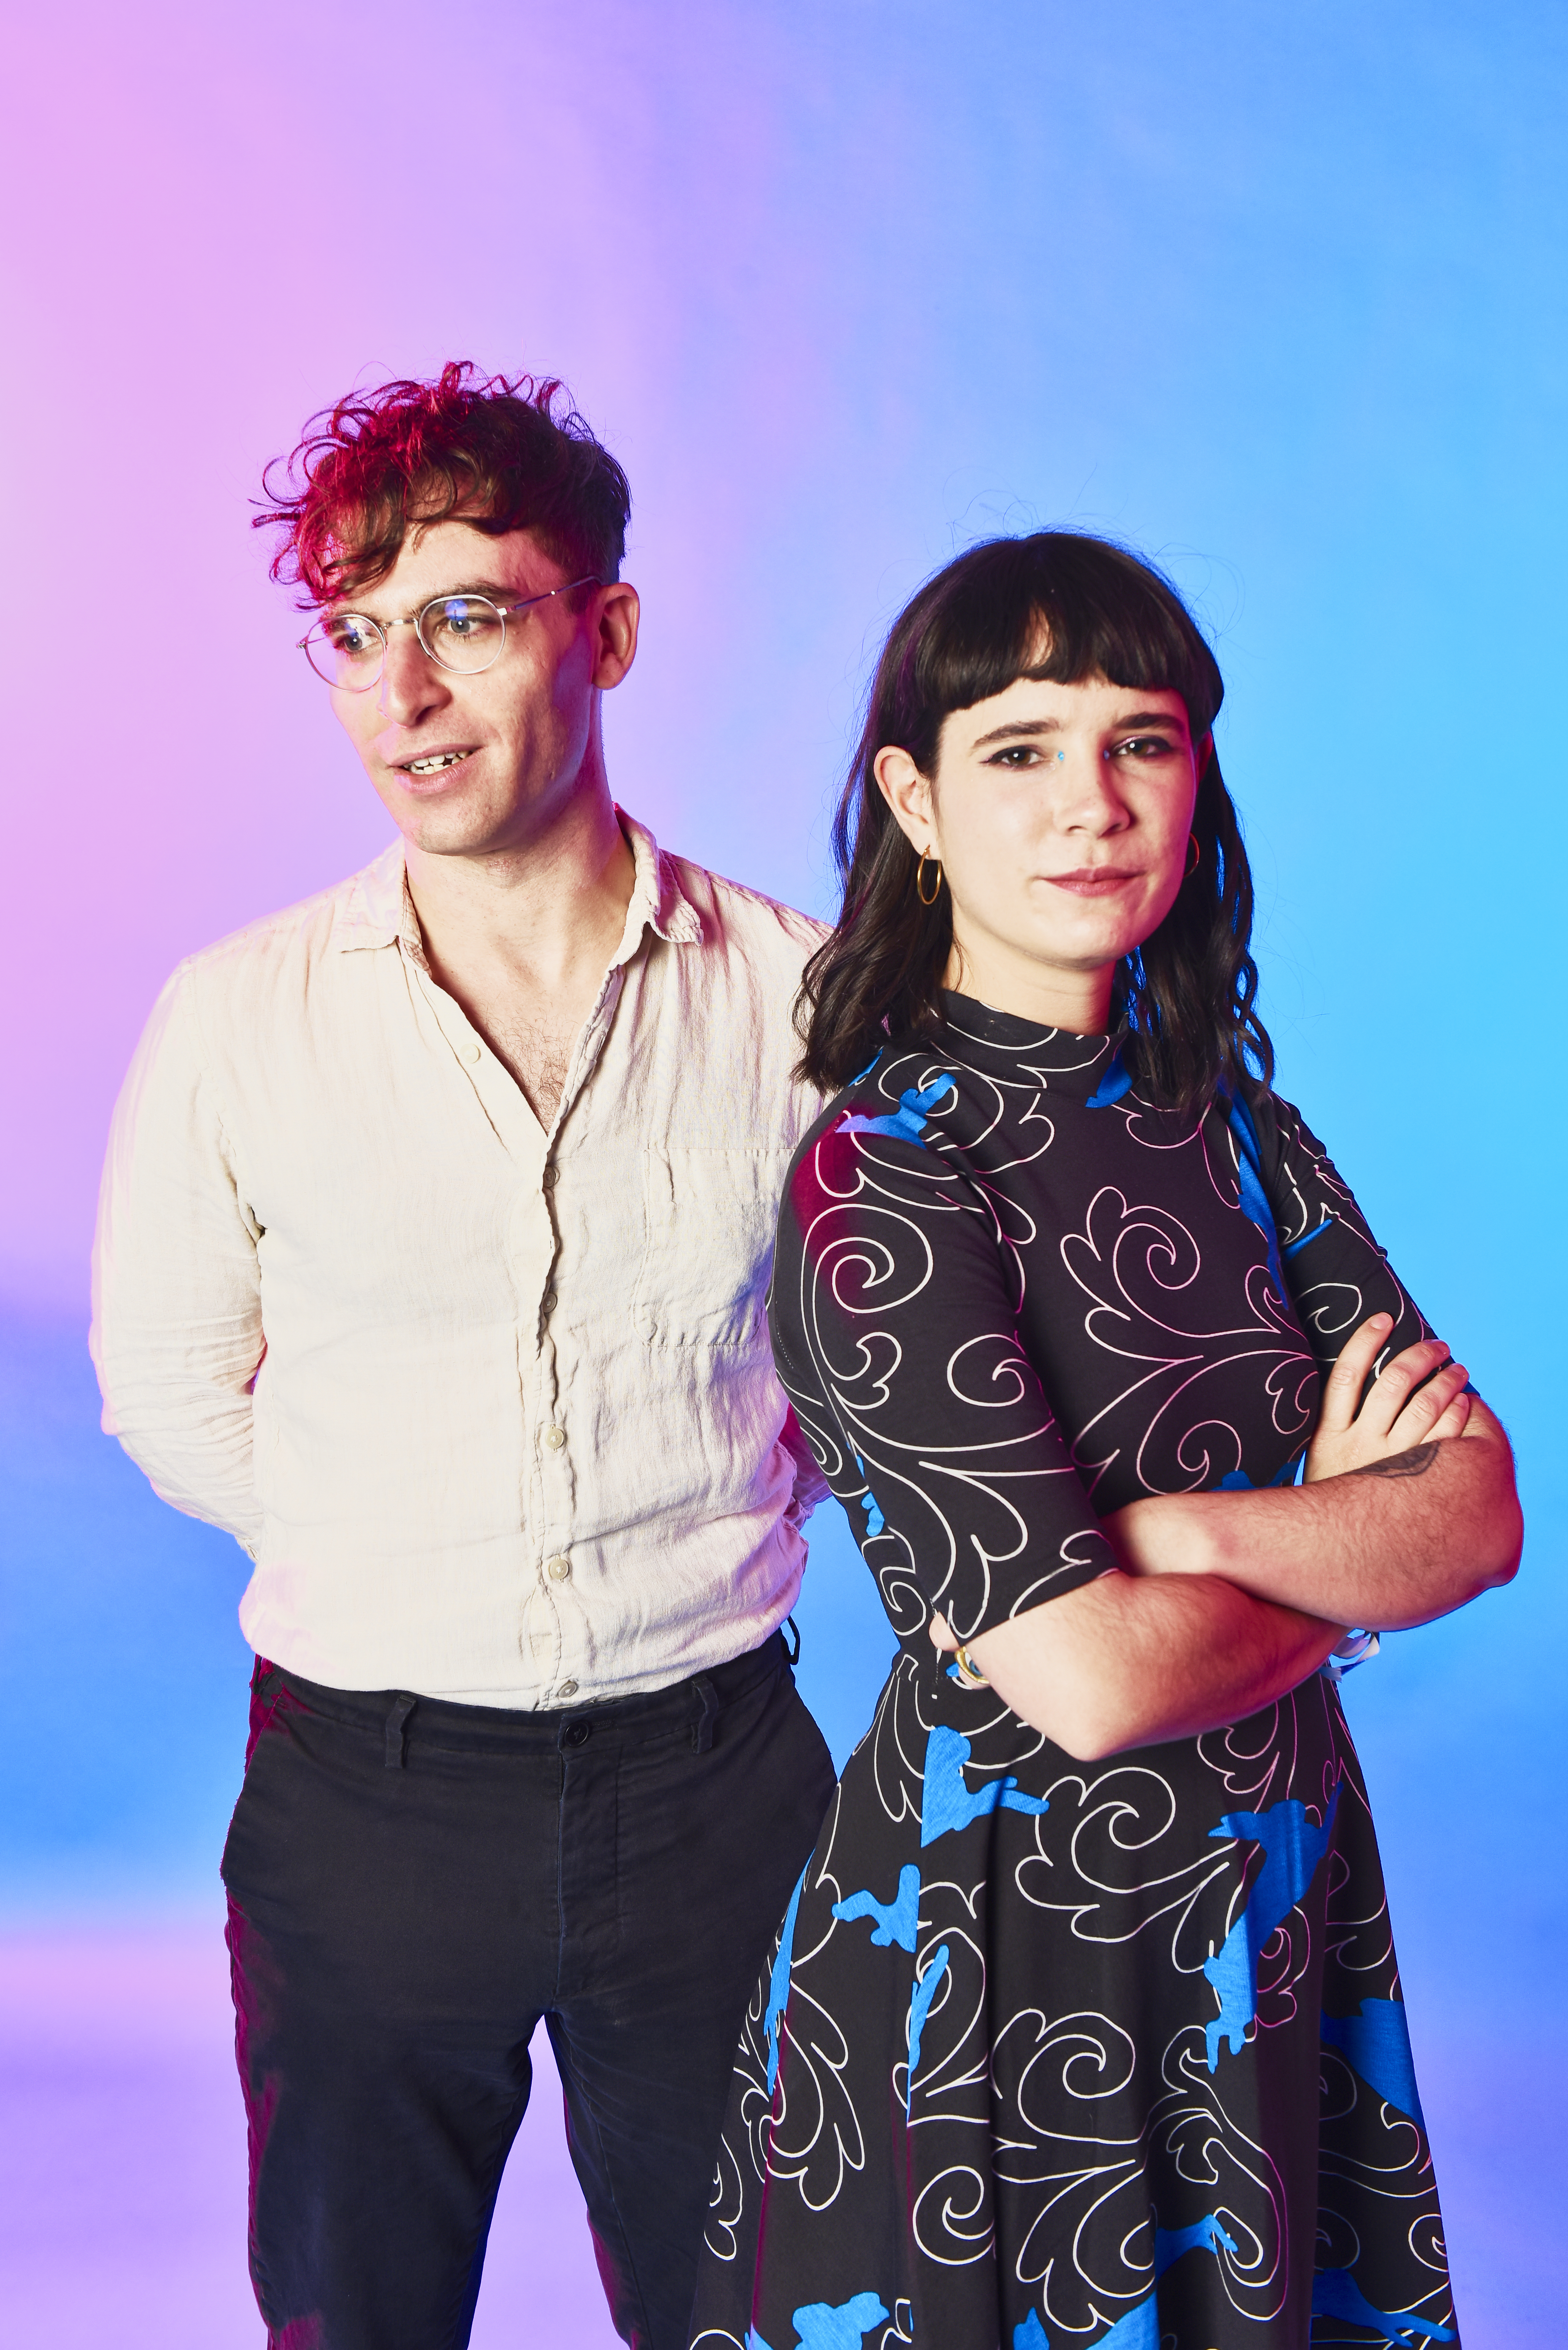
point(542, 906)
point(522, 936)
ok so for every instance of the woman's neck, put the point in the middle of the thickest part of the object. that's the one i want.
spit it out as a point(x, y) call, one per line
point(1042, 993)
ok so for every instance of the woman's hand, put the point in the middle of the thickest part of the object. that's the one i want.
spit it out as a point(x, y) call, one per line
point(1417, 1400)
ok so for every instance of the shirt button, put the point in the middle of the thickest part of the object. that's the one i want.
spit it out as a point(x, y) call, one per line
point(555, 1438)
point(549, 1301)
point(470, 1052)
point(568, 1689)
point(552, 1176)
point(559, 1570)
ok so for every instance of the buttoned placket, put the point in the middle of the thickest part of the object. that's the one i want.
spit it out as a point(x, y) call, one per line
point(533, 1243)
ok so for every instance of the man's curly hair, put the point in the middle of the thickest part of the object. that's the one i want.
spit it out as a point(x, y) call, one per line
point(503, 454)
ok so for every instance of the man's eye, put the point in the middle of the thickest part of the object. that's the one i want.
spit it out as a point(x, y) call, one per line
point(463, 618)
point(349, 636)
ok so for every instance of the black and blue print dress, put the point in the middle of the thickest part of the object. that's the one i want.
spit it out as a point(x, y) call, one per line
point(1053, 2053)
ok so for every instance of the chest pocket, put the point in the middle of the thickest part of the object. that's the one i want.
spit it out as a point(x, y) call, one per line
point(708, 1220)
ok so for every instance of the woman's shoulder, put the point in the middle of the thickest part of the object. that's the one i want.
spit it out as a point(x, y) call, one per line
point(902, 1100)
point(898, 1136)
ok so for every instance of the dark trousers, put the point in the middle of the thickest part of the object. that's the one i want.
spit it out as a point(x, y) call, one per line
point(412, 1886)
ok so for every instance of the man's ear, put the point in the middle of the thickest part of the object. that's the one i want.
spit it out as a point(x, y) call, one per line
point(909, 795)
point(616, 625)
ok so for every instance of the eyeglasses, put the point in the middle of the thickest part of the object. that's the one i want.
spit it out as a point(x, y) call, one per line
point(466, 634)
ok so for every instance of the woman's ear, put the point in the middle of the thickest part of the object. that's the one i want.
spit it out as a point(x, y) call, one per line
point(1202, 752)
point(909, 795)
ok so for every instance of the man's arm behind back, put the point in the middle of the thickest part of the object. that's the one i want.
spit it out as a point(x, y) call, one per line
point(177, 1328)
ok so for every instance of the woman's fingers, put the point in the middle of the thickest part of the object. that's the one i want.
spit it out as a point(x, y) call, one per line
point(1428, 1406)
point(1454, 1421)
point(1342, 1389)
point(1396, 1383)
point(942, 1640)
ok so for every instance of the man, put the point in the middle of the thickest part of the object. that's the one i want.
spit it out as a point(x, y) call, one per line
point(435, 1228)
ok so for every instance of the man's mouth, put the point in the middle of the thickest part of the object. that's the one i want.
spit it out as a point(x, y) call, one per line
point(434, 764)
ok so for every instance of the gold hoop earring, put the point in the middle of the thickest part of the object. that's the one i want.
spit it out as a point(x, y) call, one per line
point(1195, 856)
point(926, 859)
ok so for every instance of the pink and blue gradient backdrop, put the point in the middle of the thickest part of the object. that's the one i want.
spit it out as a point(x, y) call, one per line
point(1278, 294)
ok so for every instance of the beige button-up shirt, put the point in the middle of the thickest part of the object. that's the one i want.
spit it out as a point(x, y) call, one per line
point(493, 1410)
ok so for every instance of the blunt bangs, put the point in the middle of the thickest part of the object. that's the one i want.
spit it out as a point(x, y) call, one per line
point(1057, 606)
point(1063, 606)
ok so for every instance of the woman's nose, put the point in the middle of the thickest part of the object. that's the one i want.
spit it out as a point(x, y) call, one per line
point(1085, 791)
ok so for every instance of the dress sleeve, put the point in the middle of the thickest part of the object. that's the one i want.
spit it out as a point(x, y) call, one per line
point(895, 1325)
point(1333, 1267)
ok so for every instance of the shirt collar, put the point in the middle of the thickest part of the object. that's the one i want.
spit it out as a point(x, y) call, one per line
point(658, 902)
point(377, 909)
point(377, 912)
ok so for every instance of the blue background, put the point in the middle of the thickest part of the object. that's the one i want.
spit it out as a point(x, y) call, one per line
point(1276, 294)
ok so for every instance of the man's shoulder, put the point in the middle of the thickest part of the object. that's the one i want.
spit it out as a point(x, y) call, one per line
point(365, 907)
point(745, 919)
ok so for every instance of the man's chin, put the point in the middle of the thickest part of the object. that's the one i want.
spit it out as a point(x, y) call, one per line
point(442, 833)
point(442, 823)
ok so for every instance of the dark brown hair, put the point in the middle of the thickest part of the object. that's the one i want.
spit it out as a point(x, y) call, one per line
point(499, 450)
point(1186, 995)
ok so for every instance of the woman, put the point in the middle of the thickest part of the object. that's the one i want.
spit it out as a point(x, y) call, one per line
point(1084, 2026)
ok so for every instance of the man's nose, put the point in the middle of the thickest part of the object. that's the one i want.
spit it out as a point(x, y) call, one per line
point(410, 681)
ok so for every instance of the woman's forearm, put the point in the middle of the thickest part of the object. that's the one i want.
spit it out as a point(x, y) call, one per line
point(1396, 1543)
point(1131, 1661)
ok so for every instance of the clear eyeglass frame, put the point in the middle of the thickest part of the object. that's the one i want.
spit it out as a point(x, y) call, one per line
point(327, 655)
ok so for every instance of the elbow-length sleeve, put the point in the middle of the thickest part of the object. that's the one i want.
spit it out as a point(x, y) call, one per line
point(1334, 1269)
point(894, 1326)
point(177, 1325)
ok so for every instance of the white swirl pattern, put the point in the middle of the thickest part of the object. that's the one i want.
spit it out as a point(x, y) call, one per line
point(1052, 2053)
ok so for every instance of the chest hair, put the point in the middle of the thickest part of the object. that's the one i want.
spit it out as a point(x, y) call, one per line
point(535, 1041)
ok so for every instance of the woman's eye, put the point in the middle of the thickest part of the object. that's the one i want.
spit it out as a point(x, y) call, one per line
point(1015, 754)
point(1144, 746)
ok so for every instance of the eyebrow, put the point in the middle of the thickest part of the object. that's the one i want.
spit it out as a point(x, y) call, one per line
point(1023, 730)
point(491, 587)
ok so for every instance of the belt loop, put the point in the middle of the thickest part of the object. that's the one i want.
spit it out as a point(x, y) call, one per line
point(702, 1727)
point(397, 1716)
point(791, 1654)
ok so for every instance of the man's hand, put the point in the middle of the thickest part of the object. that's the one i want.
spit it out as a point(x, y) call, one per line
point(1417, 1400)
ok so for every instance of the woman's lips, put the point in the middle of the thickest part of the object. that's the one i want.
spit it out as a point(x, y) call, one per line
point(1093, 880)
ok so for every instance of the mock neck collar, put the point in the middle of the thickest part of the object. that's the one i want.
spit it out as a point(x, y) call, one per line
point(1078, 1067)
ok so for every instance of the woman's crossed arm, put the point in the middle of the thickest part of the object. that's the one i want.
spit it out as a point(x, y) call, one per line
point(1225, 1601)
point(1408, 1509)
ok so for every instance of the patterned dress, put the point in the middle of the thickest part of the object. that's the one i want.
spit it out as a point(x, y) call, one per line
point(1049, 2053)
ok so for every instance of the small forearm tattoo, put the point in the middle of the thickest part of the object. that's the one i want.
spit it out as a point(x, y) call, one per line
point(1414, 1463)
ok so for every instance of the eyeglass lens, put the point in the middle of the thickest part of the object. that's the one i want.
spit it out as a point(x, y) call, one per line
point(461, 632)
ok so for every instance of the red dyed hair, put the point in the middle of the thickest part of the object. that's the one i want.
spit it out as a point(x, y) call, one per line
point(497, 450)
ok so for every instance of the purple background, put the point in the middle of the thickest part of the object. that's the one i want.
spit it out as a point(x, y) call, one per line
point(1278, 295)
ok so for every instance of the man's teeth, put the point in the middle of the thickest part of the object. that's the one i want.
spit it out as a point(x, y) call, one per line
point(433, 766)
